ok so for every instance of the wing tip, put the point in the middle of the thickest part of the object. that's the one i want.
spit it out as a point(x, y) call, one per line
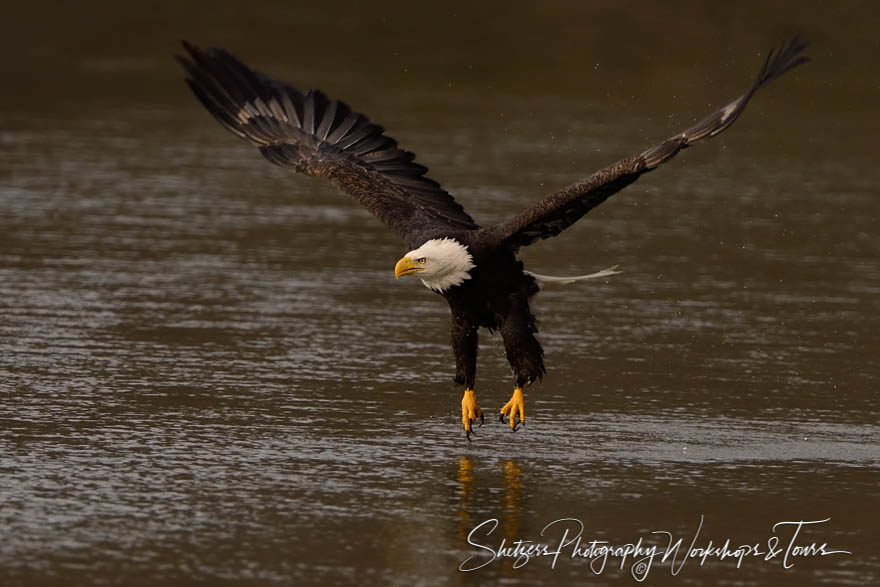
point(783, 59)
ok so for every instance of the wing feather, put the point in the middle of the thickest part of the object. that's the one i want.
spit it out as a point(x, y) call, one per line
point(327, 121)
point(350, 120)
point(324, 138)
point(560, 210)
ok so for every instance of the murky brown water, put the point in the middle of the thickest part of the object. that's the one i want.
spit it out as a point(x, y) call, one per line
point(204, 373)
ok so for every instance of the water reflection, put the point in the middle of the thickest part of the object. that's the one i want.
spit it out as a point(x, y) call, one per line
point(465, 479)
point(509, 506)
point(513, 486)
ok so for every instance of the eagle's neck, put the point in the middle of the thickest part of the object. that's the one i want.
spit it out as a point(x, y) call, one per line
point(448, 263)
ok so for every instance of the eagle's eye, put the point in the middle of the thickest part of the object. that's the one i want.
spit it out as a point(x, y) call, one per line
point(420, 260)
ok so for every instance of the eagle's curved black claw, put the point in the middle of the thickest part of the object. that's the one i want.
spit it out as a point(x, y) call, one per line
point(468, 435)
point(501, 418)
point(515, 428)
point(482, 419)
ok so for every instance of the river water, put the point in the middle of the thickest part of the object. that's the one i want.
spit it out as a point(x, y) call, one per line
point(209, 374)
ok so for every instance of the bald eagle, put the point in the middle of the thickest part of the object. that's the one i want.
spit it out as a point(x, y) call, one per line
point(474, 267)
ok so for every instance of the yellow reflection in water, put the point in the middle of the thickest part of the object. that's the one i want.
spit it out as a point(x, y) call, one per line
point(511, 514)
point(508, 507)
point(465, 478)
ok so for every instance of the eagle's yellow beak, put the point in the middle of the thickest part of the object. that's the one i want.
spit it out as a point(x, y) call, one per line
point(407, 266)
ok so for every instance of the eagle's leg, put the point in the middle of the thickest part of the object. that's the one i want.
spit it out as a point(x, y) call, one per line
point(464, 346)
point(525, 355)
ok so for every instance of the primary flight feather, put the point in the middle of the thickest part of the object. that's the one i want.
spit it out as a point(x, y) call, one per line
point(475, 268)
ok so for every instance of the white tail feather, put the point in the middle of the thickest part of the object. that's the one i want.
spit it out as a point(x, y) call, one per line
point(544, 279)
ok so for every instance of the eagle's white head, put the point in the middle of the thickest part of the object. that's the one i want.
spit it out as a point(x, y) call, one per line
point(441, 263)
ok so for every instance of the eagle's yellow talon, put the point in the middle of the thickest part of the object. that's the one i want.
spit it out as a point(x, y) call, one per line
point(470, 411)
point(515, 407)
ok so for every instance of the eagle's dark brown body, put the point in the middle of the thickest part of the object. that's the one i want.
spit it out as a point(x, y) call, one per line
point(497, 298)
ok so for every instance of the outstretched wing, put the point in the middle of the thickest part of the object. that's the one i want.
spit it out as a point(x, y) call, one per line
point(558, 211)
point(323, 138)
